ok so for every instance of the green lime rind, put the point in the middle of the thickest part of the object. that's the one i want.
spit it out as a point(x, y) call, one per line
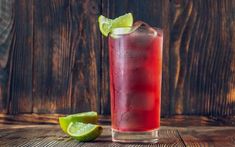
point(123, 21)
point(84, 132)
point(85, 117)
point(106, 25)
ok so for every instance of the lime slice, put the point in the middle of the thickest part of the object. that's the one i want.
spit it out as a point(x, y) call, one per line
point(84, 132)
point(85, 117)
point(123, 21)
point(106, 25)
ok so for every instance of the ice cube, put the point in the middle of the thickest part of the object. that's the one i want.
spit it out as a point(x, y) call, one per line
point(142, 101)
point(143, 36)
point(132, 121)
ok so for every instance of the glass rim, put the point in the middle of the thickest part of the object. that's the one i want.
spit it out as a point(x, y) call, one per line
point(122, 31)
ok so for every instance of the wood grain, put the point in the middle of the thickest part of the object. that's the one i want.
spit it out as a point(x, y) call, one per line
point(87, 57)
point(20, 88)
point(209, 136)
point(50, 135)
point(51, 64)
point(53, 58)
point(176, 121)
point(6, 35)
point(201, 57)
point(65, 56)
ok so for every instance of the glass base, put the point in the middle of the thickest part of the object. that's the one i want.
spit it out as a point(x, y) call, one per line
point(135, 137)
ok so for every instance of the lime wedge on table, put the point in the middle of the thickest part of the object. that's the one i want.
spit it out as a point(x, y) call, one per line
point(84, 132)
point(85, 117)
point(106, 25)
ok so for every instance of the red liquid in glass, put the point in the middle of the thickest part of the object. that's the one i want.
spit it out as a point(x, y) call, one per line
point(135, 80)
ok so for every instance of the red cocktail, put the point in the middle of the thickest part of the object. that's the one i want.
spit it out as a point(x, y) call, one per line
point(135, 83)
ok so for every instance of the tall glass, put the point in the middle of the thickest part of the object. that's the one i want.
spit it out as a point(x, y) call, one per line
point(135, 56)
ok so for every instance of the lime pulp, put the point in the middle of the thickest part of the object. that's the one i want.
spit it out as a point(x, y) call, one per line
point(84, 132)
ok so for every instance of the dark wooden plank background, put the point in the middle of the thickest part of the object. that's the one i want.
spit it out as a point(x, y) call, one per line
point(53, 58)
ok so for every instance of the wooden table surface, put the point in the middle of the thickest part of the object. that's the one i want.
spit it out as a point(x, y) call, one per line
point(196, 131)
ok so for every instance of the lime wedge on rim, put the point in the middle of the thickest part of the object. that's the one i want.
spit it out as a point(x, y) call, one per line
point(106, 25)
point(84, 132)
point(85, 117)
